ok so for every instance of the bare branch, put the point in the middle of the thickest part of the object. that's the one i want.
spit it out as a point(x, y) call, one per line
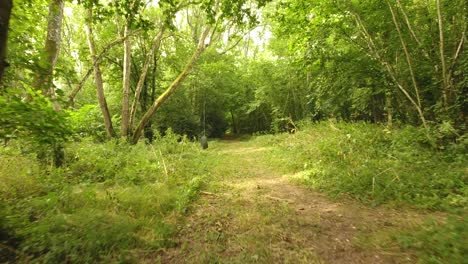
point(71, 97)
point(155, 46)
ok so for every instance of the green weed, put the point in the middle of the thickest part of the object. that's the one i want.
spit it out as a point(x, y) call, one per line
point(109, 202)
point(374, 164)
point(438, 243)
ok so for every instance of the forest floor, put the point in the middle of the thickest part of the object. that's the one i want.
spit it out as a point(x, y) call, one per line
point(251, 213)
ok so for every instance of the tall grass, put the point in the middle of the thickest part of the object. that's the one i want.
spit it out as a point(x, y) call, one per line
point(109, 202)
point(398, 167)
point(376, 165)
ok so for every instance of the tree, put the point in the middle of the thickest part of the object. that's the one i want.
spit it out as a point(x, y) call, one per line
point(44, 78)
point(172, 88)
point(5, 12)
point(98, 75)
point(391, 47)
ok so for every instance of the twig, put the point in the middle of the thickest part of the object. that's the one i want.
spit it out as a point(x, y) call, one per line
point(278, 199)
point(162, 158)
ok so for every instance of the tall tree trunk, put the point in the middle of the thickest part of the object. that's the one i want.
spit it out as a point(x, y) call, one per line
point(44, 80)
point(144, 71)
point(389, 107)
point(374, 52)
point(126, 83)
point(235, 129)
point(98, 75)
point(74, 92)
point(445, 87)
point(172, 88)
point(5, 12)
point(407, 56)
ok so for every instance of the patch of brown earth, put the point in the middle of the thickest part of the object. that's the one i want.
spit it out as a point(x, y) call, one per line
point(260, 217)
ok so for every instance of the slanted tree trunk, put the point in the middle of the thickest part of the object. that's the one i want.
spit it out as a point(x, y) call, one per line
point(407, 55)
point(74, 92)
point(374, 52)
point(126, 82)
point(5, 12)
point(44, 80)
point(98, 75)
point(411, 30)
point(144, 71)
point(172, 88)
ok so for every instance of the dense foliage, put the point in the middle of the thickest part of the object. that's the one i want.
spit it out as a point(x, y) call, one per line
point(105, 199)
point(102, 103)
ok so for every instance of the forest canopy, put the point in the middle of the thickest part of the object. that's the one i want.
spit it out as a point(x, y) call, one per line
point(240, 67)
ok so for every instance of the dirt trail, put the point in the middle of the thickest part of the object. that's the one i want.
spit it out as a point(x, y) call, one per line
point(252, 214)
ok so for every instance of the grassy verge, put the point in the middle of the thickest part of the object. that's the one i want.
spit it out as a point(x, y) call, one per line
point(375, 165)
point(109, 202)
point(378, 166)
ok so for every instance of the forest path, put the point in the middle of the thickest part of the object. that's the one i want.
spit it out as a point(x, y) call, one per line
point(253, 214)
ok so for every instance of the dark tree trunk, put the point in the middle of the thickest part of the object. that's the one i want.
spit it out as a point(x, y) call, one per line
point(148, 132)
point(5, 12)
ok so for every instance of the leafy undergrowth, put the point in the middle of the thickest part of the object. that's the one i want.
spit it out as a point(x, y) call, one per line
point(398, 167)
point(112, 202)
point(439, 243)
point(376, 165)
point(109, 202)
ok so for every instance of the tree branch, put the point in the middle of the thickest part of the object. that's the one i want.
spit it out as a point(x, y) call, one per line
point(71, 97)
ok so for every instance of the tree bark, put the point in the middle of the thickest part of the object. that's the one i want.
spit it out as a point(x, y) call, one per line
point(44, 80)
point(144, 71)
point(389, 107)
point(78, 87)
point(126, 83)
point(5, 12)
point(233, 120)
point(98, 76)
point(172, 88)
point(407, 56)
point(445, 87)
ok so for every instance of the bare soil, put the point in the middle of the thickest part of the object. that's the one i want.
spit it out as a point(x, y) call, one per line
point(252, 214)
